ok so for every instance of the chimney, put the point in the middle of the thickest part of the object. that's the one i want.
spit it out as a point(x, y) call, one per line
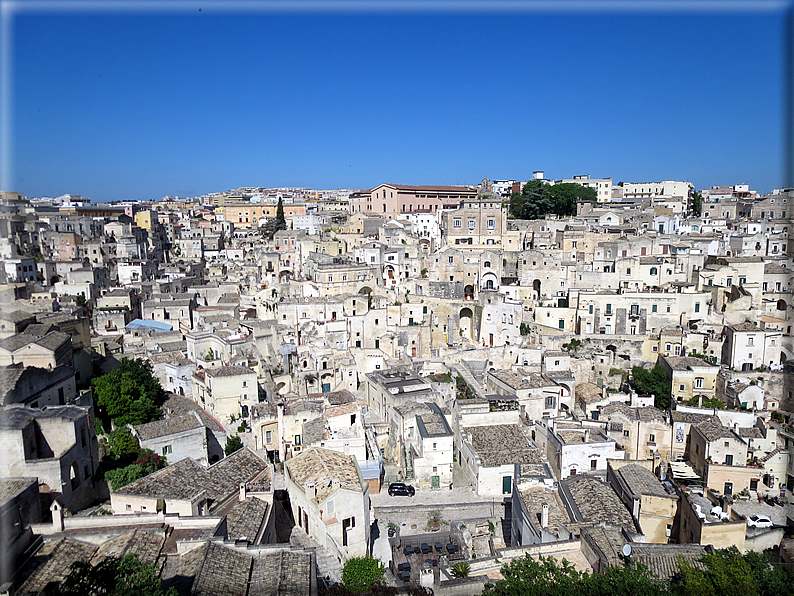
point(587, 435)
point(242, 491)
point(57, 517)
point(544, 516)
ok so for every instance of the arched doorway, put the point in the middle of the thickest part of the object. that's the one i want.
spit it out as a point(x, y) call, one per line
point(466, 317)
point(285, 276)
point(536, 288)
point(781, 305)
point(468, 293)
point(365, 290)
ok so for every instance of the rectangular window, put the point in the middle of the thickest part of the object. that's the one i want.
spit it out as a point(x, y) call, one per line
point(551, 402)
point(697, 306)
point(491, 224)
point(472, 224)
point(166, 449)
point(591, 309)
point(451, 260)
point(269, 436)
point(561, 323)
point(609, 309)
point(699, 382)
point(456, 223)
point(654, 308)
point(652, 438)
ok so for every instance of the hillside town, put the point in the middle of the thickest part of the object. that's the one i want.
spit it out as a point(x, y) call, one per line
point(249, 389)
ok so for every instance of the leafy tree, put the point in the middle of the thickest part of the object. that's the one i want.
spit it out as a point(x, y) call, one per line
point(126, 576)
point(124, 476)
point(769, 579)
point(233, 443)
point(549, 577)
point(565, 197)
point(697, 203)
point(727, 573)
point(537, 199)
point(129, 394)
point(360, 574)
point(543, 577)
point(143, 466)
point(655, 382)
point(121, 444)
point(461, 569)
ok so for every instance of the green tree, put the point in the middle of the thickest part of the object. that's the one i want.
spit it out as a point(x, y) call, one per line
point(281, 222)
point(360, 574)
point(124, 476)
point(565, 197)
point(461, 569)
point(654, 382)
point(697, 203)
point(129, 394)
point(549, 577)
point(143, 466)
point(121, 444)
point(275, 224)
point(113, 576)
point(727, 573)
point(233, 443)
point(543, 577)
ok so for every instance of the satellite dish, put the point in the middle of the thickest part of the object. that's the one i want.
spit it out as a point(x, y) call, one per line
point(626, 550)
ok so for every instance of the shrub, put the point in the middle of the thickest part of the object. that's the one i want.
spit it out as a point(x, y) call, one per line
point(233, 443)
point(360, 574)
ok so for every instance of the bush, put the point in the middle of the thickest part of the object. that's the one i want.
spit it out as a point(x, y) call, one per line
point(361, 573)
point(143, 466)
point(121, 444)
point(233, 443)
point(124, 476)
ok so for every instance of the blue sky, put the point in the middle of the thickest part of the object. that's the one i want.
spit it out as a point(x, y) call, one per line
point(139, 106)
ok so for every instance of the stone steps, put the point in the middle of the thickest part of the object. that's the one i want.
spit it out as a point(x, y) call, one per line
point(328, 566)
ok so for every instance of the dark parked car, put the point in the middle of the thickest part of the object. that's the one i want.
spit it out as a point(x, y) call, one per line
point(401, 489)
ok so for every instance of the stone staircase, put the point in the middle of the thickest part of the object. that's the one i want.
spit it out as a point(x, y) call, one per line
point(464, 369)
point(327, 564)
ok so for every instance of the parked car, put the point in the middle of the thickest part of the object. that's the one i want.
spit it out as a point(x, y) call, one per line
point(401, 489)
point(759, 521)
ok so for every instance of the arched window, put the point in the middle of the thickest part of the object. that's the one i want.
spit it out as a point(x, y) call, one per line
point(489, 284)
point(487, 264)
point(654, 271)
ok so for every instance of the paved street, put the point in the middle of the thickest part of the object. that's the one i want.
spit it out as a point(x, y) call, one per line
point(776, 513)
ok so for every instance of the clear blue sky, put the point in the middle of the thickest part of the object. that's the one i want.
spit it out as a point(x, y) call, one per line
point(134, 106)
